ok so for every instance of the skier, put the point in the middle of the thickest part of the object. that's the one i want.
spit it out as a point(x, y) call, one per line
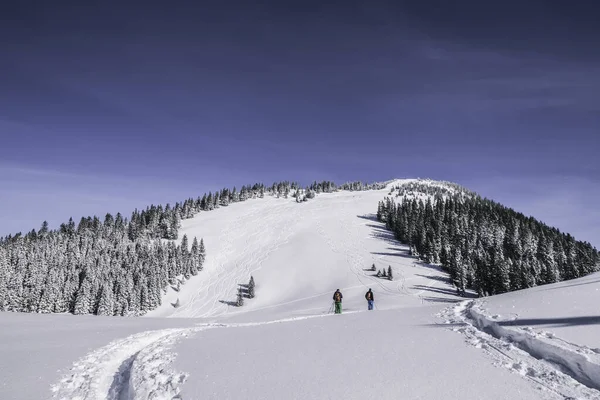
point(337, 298)
point(370, 298)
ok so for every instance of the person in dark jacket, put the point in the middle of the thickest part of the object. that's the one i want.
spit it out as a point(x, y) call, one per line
point(370, 299)
point(337, 298)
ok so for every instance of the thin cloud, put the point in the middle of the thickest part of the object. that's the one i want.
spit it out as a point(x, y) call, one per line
point(8, 170)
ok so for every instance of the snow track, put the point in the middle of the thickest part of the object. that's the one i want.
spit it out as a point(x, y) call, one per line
point(555, 365)
point(138, 367)
point(107, 373)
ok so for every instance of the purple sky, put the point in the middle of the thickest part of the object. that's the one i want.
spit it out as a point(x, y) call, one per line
point(108, 107)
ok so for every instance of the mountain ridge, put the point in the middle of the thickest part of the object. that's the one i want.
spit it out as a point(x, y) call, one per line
point(117, 267)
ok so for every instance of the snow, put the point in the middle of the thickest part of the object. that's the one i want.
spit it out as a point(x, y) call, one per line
point(421, 341)
point(296, 252)
point(384, 355)
point(542, 330)
point(569, 309)
point(39, 351)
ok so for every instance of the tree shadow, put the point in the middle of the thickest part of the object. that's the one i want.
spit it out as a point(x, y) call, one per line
point(424, 264)
point(244, 289)
point(382, 229)
point(385, 254)
point(439, 278)
point(229, 303)
point(451, 292)
point(386, 236)
point(553, 322)
point(440, 299)
point(368, 217)
point(547, 322)
point(573, 284)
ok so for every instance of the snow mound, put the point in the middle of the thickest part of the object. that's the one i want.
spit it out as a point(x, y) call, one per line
point(579, 362)
point(566, 369)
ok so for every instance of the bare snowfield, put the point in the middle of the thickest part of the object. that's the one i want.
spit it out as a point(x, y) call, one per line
point(421, 341)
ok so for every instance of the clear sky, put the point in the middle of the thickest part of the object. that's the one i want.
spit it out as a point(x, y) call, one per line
point(108, 106)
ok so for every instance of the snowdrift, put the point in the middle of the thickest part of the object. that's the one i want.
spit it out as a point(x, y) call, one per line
point(546, 333)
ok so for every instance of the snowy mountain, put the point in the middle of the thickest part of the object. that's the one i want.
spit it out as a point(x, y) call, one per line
point(422, 340)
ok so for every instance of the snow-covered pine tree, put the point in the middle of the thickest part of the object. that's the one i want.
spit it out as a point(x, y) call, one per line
point(195, 257)
point(457, 267)
point(501, 249)
point(4, 276)
point(240, 298)
point(106, 303)
point(389, 273)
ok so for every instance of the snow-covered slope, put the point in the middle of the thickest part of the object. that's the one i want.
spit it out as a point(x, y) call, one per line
point(299, 254)
point(548, 334)
point(421, 341)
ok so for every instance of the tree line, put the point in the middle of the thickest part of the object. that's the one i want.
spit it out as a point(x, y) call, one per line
point(483, 245)
point(115, 266)
point(92, 269)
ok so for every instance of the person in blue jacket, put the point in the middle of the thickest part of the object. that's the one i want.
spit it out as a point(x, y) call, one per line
point(370, 299)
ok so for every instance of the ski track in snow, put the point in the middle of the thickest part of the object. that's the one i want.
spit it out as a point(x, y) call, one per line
point(348, 247)
point(105, 373)
point(357, 263)
point(138, 367)
point(565, 369)
point(222, 279)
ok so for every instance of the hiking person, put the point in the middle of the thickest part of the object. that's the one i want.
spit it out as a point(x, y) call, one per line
point(370, 298)
point(337, 298)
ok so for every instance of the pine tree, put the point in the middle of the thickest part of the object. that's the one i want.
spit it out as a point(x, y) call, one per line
point(457, 267)
point(240, 298)
point(389, 274)
point(500, 249)
point(83, 299)
point(4, 278)
point(202, 252)
point(251, 287)
point(106, 303)
point(195, 257)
